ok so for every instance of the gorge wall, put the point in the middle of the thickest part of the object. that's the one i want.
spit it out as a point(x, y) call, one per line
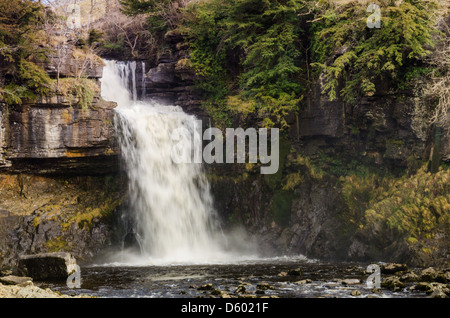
point(60, 180)
point(324, 201)
point(62, 188)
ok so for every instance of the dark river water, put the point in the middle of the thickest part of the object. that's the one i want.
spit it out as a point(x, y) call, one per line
point(277, 276)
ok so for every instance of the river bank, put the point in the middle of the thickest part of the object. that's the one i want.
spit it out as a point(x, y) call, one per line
point(29, 290)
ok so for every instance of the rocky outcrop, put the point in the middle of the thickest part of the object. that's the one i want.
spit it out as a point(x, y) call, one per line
point(29, 290)
point(48, 266)
point(47, 214)
point(387, 129)
point(171, 81)
point(15, 280)
point(56, 135)
point(69, 61)
point(51, 136)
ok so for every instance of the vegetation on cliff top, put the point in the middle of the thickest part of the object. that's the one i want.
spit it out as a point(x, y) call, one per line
point(20, 52)
point(268, 53)
point(362, 56)
point(32, 36)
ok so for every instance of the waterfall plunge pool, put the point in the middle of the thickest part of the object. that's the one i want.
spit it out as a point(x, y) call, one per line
point(272, 277)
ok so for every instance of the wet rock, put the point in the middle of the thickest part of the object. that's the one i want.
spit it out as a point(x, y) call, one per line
point(435, 289)
point(162, 75)
point(393, 283)
point(351, 281)
point(216, 292)
point(15, 280)
point(240, 290)
point(356, 293)
point(428, 274)
point(422, 286)
point(377, 291)
point(295, 272)
point(48, 266)
point(432, 275)
point(393, 268)
point(6, 272)
point(304, 281)
point(282, 274)
point(438, 293)
point(409, 277)
point(206, 287)
point(223, 294)
point(264, 286)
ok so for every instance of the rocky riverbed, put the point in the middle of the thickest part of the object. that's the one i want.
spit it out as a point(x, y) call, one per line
point(268, 279)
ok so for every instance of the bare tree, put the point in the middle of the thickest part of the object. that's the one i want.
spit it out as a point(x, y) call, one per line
point(58, 34)
point(131, 29)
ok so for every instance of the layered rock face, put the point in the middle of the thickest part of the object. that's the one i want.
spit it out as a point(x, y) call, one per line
point(60, 181)
point(50, 138)
point(55, 135)
point(171, 81)
point(385, 133)
point(383, 127)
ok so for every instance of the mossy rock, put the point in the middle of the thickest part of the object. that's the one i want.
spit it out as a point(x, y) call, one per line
point(280, 207)
point(393, 283)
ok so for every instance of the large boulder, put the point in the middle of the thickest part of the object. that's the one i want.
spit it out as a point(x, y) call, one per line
point(48, 266)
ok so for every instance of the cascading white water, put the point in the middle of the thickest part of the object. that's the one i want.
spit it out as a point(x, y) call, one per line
point(143, 86)
point(171, 202)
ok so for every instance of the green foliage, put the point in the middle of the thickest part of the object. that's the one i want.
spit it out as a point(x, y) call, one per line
point(57, 244)
point(219, 114)
point(78, 90)
point(364, 56)
point(252, 48)
point(34, 77)
point(273, 181)
point(133, 7)
point(20, 51)
point(94, 36)
point(413, 206)
point(157, 12)
point(280, 207)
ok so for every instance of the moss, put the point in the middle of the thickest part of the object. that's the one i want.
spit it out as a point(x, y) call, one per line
point(280, 207)
point(36, 221)
point(86, 218)
point(395, 142)
point(292, 181)
point(273, 181)
point(57, 244)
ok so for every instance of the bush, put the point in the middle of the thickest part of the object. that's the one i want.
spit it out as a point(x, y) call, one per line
point(361, 56)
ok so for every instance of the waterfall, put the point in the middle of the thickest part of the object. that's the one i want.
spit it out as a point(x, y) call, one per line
point(127, 74)
point(171, 203)
point(143, 86)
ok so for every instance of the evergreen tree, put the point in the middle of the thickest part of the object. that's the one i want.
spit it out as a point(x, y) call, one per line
point(20, 22)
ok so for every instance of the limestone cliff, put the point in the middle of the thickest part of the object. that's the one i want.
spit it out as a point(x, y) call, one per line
point(60, 182)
